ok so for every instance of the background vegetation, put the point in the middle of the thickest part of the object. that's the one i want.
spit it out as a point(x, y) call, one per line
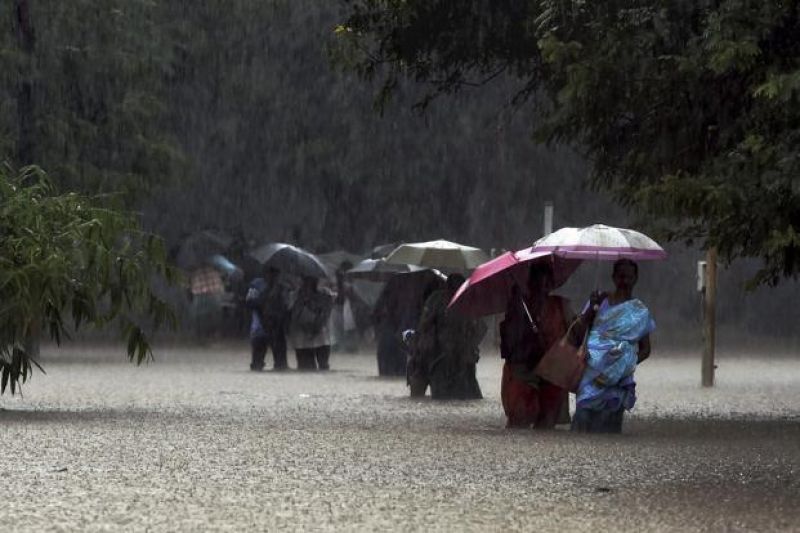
point(248, 117)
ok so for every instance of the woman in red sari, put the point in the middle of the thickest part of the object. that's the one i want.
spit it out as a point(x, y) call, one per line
point(530, 328)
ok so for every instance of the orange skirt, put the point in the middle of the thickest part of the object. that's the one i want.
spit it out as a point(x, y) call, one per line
point(527, 406)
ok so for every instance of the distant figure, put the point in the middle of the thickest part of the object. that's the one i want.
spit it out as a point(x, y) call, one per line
point(391, 357)
point(206, 293)
point(619, 339)
point(345, 311)
point(446, 348)
point(399, 308)
point(309, 325)
point(267, 300)
point(530, 327)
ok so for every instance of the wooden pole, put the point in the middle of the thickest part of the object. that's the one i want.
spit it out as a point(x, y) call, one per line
point(709, 318)
point(548, 218)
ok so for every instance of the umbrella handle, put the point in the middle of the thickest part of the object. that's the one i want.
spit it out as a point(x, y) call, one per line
point(530, 317)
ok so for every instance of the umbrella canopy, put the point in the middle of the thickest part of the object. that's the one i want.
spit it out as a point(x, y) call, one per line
point(378, 270)
point(196, 250)
point(290, 259)
point(382, 250)
point(224, 265)
point(438, 254)
point(488, 289)
point(333, 260)
point(600, 242)
point(403, 297)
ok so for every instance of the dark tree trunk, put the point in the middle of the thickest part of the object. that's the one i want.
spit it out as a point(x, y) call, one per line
point(26, 38)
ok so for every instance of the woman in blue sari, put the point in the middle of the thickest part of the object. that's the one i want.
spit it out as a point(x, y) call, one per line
point(619, 339)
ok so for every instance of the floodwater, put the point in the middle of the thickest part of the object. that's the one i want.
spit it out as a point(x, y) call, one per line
point(197, 442)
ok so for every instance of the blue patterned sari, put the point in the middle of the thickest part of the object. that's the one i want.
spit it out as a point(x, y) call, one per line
point(612, 355)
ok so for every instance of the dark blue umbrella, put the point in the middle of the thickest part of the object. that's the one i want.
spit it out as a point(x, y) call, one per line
point(290, 260)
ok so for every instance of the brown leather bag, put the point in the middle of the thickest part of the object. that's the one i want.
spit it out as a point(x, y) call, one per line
point(563, 363)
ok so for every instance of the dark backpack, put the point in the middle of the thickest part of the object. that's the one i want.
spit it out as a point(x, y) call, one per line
point(312, 312)
point(273, 303)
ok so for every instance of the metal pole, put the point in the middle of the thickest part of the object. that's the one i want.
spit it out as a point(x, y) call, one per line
point(548, 218)
point(709, 318)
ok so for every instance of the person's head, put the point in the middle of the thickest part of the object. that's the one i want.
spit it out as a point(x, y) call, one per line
point(454, 281)
point(625, 274)
point(344, 266)
point(541, 279)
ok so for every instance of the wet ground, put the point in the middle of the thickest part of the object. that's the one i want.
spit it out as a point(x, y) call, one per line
point(197, 442)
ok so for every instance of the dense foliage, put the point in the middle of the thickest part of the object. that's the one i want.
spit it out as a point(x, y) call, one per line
point(212, 114)
point(230, 115)
point(97, 102)
point(687, 111)
point(67, 261)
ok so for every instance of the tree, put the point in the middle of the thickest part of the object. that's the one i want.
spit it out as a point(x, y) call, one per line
point(83, 91)
point(687, 111)
point(67, 261)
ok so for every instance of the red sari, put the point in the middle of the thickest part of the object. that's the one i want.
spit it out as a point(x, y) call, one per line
point(540, 404)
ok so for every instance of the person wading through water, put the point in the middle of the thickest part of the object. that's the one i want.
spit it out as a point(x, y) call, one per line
point(267, 300)
point(619, 339)
point(446, 348)
point(525, 336)
point(310, 332)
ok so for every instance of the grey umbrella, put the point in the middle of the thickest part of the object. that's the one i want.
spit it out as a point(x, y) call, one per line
point(438, 254)
point(290, 259)
point(382, 250)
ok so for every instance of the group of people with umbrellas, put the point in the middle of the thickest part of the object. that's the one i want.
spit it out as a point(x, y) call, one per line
point(548, 350)
point(429, 326)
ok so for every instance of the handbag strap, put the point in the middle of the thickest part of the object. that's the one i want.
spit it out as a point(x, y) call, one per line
point(582, 347)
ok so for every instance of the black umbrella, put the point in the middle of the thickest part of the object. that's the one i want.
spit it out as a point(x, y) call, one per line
point(403, 297)
point(290, 259)
point(198, 248)
point(378, 270)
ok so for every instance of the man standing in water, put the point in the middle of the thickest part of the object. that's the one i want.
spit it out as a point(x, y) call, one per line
point(268, 301)
point(446, 348)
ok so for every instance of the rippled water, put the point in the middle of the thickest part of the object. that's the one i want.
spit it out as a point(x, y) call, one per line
point(195, 441)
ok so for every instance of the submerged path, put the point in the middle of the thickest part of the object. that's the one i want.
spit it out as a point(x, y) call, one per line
point(197, 442)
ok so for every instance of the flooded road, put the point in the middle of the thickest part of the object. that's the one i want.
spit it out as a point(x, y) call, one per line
point(197, 442)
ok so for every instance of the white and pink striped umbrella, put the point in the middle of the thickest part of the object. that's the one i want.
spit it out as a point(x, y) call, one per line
point(600, 242)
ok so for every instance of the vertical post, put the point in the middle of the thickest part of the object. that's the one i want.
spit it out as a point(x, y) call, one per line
point(548, 218)
point(709, 318)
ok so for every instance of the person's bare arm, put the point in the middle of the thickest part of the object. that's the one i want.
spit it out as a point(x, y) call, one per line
point(644, 348)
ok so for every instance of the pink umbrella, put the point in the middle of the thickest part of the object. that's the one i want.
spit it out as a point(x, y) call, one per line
point(488, 289)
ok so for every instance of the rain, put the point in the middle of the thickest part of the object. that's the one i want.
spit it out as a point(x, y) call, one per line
point(300, 252)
